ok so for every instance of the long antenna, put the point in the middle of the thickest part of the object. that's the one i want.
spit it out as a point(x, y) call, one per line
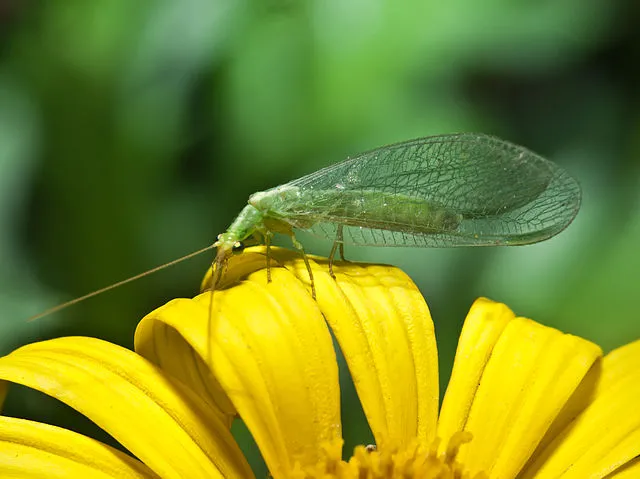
point(55, 309)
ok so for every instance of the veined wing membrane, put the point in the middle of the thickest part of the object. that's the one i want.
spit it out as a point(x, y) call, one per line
point(450, 190)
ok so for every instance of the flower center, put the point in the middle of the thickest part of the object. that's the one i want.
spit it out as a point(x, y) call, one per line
point(414, 461)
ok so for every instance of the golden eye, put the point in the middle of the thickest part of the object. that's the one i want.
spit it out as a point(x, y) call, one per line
point(219, 236)
point(238, 246)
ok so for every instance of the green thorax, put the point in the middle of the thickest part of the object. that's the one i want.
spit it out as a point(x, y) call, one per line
point(246, 224)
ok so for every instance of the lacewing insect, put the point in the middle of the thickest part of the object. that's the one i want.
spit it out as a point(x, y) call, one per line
point(440, 191)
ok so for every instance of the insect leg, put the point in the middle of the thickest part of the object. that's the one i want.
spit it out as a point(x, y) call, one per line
point(297, 245)
point(331, 257)
point(340, 239)
point(267, 242)
point(338, 243)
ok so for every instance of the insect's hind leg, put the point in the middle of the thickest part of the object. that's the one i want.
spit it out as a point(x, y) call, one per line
point(338, 244)
point(297, 245)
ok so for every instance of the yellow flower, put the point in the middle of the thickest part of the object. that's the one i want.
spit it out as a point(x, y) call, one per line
point(524, 400)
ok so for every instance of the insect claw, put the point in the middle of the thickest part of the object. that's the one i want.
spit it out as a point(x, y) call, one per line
point(331, 273)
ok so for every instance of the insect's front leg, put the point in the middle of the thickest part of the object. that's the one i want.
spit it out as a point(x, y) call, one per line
point(266, 234)
point(267, 242)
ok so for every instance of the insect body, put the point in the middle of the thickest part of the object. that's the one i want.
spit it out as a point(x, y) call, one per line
point(448, 190)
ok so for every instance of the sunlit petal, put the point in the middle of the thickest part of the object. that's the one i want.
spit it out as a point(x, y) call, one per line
point(386, 334)
point(160, 421)
point(529, 375)
point(485, 323)
point(33, 450)
point(160, 342)
point(271, 351)
point(630, 470)
point(606, 434)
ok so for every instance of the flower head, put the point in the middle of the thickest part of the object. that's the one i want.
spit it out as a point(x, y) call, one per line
point(524, 400)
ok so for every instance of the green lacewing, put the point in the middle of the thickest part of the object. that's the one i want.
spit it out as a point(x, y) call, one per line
point(441, 191)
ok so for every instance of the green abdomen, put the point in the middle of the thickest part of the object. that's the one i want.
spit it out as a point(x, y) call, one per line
point(367, 209)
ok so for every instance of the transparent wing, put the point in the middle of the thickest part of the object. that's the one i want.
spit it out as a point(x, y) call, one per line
point(496, 192)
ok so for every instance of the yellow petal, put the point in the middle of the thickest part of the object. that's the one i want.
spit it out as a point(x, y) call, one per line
point(482, 329)
point(631, 470)
point(386, 334)
point(606, 434)
point(33, 450)
point(272, 353)
point(164, 345)
point(160, 421)
point(527, 379)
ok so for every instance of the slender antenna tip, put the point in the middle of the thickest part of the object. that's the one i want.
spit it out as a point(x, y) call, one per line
point(65, 305)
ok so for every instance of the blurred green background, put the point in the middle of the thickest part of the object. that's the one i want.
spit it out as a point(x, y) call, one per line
point(132, 132)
